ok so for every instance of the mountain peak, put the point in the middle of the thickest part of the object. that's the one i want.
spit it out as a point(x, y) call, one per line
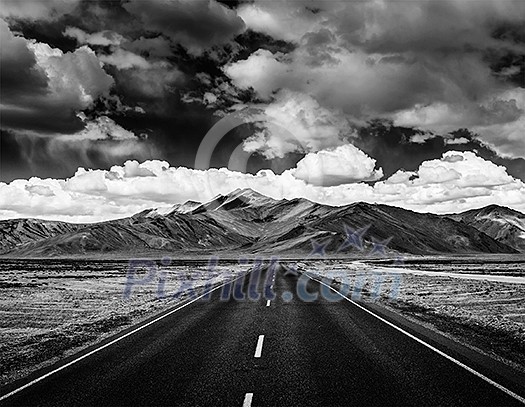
point(247, 193)
point(503, 224)
point(246, 220)
point(239, 198)
point(494, 210)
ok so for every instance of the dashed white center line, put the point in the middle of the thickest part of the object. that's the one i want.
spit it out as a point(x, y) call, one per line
point(247, 400)
point(258, 349)
point(267, 303)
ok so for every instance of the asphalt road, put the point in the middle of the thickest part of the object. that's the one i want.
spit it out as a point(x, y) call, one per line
point(278, 353)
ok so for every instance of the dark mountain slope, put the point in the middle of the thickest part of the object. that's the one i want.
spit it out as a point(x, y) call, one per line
point(139, 234)
point(503, 224)
point(411, 232)
point(15, 232)
point(247, 222)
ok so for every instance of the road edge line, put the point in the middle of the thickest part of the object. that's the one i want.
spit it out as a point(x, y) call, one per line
point(422, 342)
point(58, 369)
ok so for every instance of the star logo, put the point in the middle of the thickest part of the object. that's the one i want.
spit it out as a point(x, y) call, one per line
point(354, 238)
point(291, 269)
point(319, 248)
point(379, 247)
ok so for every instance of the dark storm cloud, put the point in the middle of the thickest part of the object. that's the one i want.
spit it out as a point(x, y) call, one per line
point(25, 90)
point(19, 74)
point(159, 47)
point(196, 25)
point(395, 147)
point(435, 65)
point(251, 41)
point(42, 88)
point(32, 10)
point(25, 156)
point(90, 16)
point(164, 76)
point(153, 84)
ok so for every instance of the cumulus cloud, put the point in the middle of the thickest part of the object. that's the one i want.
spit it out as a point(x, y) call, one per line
point(457, 181)
point(360, 85)
point(101, 128)
point(425, 64)
point(75, 76)
point(60, 84)
point(19, 72)
point(143, 70)
point(123, 59)
point(196, 25)
point(342, 165)
point(294, 122)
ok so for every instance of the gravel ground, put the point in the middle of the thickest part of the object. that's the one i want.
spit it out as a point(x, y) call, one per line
point(51, 309)
point(486, 315)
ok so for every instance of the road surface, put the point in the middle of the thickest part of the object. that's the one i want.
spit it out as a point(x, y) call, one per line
point(274, 353)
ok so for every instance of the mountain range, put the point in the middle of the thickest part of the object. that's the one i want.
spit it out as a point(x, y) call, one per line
point(247, 222)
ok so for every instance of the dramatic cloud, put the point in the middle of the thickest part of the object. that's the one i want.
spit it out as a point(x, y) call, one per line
point(295, 122)
point(102, 128)
point(196, 25)
point(363, 99)
point(499, 121)
point(19, 72)
point(430, 64)
point(456, 182)
point(37, 9)
point(58, 84)
point(123, 59)
point(102, 141)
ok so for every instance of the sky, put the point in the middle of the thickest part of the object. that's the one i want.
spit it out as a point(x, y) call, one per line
point(112, 107)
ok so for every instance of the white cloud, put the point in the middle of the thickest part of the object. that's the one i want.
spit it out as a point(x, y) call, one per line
point(428, 64)
point(101, 128)
point(260, 71)
point(460, 140)
point(75, 78)
point(123, 59)
point(295, 122)
point(456, 182)
point(342, 165)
